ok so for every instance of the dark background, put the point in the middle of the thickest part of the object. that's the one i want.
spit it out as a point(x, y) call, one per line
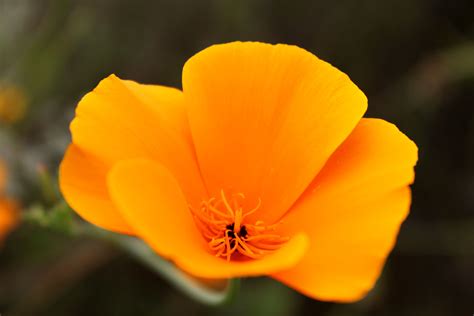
point(413, 59)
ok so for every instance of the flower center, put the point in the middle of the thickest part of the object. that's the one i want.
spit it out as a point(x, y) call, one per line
point(223, 223)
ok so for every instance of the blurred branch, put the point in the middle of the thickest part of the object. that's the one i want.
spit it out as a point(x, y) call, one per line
point(49, 188)
point(198, 289)
point(56, 16)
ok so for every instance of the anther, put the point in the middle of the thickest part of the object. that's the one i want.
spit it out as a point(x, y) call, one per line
point(223, 224)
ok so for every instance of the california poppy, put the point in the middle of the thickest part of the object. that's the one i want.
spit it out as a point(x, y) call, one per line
point(8, 208)
point(262, 165)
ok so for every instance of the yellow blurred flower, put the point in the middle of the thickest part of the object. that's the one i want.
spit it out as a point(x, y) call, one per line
point(12, 104)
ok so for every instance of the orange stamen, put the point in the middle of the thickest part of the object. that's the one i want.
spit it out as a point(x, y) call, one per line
point(223, 224)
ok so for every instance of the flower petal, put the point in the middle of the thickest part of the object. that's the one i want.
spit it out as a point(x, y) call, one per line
point(352, 212)
point(82, 179)
point(265, 118)
point(121, 120)
point(151, 200)
point(8, 216)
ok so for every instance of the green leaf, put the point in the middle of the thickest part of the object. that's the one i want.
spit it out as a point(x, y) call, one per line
point(59, 218)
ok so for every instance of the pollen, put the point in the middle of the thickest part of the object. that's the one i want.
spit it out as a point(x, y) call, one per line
point(225, 226)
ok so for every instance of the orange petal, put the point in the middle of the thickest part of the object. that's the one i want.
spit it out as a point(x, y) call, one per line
point(121, 120)
point(352, 212)
point(8, 216)
point(265, 118)
point(82, 179)
point(151, 200)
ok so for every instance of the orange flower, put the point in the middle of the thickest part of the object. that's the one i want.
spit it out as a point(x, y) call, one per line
point(261, 166)
point(8, 208)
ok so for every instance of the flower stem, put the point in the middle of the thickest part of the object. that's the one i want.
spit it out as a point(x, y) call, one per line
point(197, 289)
point(60, 219)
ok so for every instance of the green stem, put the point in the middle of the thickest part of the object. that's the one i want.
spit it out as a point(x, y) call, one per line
point(47, 185)
point(194, 288)
point(59, 218)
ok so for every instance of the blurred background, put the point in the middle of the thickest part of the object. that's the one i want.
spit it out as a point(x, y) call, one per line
point(413, 59)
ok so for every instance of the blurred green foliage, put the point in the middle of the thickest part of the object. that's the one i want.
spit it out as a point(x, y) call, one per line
point(413, 59)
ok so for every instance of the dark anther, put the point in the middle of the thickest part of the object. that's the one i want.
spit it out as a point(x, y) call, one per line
point(230, 231)
point(243, 232)
point(231, 234)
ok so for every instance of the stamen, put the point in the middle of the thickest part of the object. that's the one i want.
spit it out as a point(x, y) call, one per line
point(223, 223)
point(231, 211)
